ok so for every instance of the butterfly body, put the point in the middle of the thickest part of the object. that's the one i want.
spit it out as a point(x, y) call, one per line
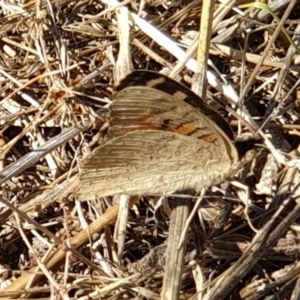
point(157, 143)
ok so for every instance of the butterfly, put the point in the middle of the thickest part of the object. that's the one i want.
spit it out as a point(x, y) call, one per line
point(161, 138)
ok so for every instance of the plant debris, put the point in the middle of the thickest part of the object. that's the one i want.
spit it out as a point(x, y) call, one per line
point(60, 62)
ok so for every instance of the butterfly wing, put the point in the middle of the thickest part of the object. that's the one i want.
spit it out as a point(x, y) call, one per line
point(156, 144)
point(152, 162)
point(178, 91)
point(136, 108)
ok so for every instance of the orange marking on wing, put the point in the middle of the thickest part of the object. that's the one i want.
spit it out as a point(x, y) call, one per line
point(186, 129)
point(143, 118)
point(147, 126)
point(209, 138)
point(143, 124)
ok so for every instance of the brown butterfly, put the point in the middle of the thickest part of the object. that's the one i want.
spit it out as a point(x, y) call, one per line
point(162, 138)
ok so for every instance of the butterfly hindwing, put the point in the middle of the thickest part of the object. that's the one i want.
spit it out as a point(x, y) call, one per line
point(152, 162)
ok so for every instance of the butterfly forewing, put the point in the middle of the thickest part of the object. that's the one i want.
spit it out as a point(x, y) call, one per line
point(180, 92)
point(136, 108)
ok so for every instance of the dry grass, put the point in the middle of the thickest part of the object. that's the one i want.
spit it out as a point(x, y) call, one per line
point(58, 66)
